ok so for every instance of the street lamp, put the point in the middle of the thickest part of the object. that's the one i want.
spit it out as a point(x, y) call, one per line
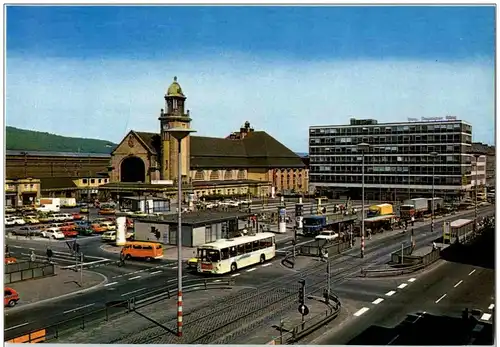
point(179, 134)
point(363, 147)
point(476, 155)
point(433, 156)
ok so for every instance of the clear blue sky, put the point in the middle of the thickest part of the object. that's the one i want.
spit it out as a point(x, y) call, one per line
point(246, 40)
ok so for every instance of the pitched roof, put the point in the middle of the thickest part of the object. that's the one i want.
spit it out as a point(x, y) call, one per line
point(152, 141)
point(258, 149)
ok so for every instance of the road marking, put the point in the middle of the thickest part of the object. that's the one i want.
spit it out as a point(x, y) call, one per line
point(17, 326)
point(402, 285)
point(196, 288)
point(378, 301)
point(252, 269)
point(78, 308)
point(18, 247)
point(217, 281)
point(457, 284)
point(175, 267)
point(441, 298)
point(412, 280)
point(136, 272)
point(470, 273)
point(486, 316)
point(234, 275)
point(31, 249)
point(110, 284)
point(134, 278)
point(134, 291)
point(361, 311)
point(491, 307)
point(267, 264)
point(391, 293)
point(156, 272)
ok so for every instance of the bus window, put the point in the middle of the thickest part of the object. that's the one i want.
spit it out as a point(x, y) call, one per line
point(147, 247)
point(224, 253)
point(232, 252)
point(210, 255)
point(241, 249)
point(137, 246)
point(256, 245)
point(158, 246)
point(248, 247)
point(274, 240)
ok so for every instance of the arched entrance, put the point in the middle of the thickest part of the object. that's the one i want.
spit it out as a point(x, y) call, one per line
point(132, 169)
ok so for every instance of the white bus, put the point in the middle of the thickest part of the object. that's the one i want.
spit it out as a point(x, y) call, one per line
point(228, 255)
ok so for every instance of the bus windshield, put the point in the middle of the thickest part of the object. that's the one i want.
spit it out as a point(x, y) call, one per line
point(312, 221)
point(209, 255)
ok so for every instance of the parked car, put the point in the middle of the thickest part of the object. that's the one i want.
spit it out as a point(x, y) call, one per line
point(10, 260)
point(98, 228)
point(45, 218)
point(31, 219)
point(10, 221)
point(70, 233)
point(68, 226)
point(109, 236)
point(53, 234)
point(19, 221)
point(78, 216)
point(10, 297)
point(84, 230)
point(27, 231)
point(84, 209)
point(109, 225)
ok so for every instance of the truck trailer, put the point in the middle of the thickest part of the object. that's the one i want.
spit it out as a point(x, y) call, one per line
point(49, 205)
point(413, 208)
point(380, 210)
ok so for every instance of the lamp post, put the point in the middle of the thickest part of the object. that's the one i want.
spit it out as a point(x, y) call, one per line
point(179, 134)
point(476, 155)
point(433, 156)
point(363, 147)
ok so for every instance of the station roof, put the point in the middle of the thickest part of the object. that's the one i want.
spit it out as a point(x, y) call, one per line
point(460, 223)
point(199, 218)
point(56, 154)
point(379, 218)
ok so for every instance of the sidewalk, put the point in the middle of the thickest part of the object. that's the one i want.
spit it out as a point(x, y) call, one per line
point(63, 283)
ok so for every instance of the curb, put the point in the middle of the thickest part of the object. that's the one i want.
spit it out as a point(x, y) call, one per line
point(34, 304)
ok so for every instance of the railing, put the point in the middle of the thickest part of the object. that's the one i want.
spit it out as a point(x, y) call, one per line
point(396, 256)
point(21, 271)
point(424, 261)
point(308, 326)
point(113, 309)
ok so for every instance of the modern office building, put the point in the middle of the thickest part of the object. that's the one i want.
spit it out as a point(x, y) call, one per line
point(400, 160)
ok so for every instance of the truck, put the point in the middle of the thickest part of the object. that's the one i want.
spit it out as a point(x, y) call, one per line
point(314, 224)
point(49, 205)
point(413, 208)
point(68, 202)
point(380, 210)
point(438, 204)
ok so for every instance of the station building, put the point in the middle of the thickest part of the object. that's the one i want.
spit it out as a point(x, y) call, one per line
point(245, 162)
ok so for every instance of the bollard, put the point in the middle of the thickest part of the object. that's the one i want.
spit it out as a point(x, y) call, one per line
point(83, 322)
point(205, 282)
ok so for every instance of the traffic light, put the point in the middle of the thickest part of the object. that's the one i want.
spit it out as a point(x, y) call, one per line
point(302, 292)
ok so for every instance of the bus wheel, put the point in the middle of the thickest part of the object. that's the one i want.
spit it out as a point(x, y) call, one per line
point(233, 267)
point(262, 258)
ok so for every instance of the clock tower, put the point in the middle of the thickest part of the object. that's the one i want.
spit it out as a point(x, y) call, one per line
point(173, 116)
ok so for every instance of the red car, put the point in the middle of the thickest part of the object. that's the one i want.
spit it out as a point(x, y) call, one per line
point(70, 233)
point(77, 216)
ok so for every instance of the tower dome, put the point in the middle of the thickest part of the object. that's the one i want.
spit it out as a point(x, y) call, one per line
point(175, 89)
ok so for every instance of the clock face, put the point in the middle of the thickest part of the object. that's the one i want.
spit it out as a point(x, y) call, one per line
point(166, 127)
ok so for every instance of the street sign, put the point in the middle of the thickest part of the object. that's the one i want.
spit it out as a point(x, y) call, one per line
point(303, 310)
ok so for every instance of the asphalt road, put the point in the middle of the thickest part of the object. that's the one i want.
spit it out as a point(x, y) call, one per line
point(425, 309)
point(141, 277)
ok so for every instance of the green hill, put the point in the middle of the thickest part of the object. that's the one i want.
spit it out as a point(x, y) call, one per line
point(28, 140)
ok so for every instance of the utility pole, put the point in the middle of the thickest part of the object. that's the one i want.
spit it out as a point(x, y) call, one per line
point(81, 269)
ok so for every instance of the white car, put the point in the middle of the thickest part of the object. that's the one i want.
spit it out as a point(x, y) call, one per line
point(109, 236)
point(9, 221)
point(19, 221)
point(328, 235)
point(245, 202)
point(109, 225)
point(53, 234)
point(233, 203)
